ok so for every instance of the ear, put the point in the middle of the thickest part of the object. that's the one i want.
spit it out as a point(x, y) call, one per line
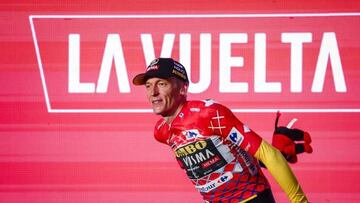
point(184, 89)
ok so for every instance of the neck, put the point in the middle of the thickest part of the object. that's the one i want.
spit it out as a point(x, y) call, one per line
point(169, 119)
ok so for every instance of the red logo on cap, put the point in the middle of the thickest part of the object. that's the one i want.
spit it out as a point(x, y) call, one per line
point(155, 67)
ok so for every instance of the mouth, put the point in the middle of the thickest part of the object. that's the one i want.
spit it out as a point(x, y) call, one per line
point(156, 101)
point(157, 105)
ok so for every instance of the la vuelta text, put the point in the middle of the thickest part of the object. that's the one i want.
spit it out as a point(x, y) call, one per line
point(328, 59)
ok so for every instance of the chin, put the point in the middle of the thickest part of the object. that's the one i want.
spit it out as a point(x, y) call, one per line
point(157, 111)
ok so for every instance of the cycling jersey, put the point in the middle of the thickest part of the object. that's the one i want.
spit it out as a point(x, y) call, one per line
point(215, 150)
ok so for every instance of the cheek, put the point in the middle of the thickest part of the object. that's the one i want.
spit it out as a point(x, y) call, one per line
point(164, 92)
point(172, 98)
point(148, 96)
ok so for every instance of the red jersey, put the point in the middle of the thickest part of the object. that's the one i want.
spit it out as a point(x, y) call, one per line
point(215, 150)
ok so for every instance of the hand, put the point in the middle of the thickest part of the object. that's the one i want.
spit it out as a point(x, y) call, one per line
point(291, 142)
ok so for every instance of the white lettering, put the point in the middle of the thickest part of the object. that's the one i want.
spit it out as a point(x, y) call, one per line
point(148, 46)
point(197, 158)
point(113, 52)
point(205, 61)
point(187, 161)
point(74, 84)
point(260, 84)
point(226, 62)
point(329, 50)
point(209, 153)
point(296, 41)
point(200, 157)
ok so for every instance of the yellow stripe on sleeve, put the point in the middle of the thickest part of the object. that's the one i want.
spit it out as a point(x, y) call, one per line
point(281, 171)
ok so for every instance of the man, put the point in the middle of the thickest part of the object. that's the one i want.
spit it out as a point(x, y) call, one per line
point(217, 151)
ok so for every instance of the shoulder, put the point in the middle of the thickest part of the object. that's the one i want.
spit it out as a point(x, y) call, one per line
point(206, 109)
point(159, 123)
point(207, 104)
point(160, 131)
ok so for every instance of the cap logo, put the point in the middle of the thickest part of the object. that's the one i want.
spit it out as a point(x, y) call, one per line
point(153, 65)
point(179, 67)
point(179, 70)
point(179, 74)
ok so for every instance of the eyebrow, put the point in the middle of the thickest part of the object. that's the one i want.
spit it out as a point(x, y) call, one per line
point(156, 81)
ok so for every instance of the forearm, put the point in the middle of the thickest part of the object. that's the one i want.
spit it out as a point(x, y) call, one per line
point(280, 170)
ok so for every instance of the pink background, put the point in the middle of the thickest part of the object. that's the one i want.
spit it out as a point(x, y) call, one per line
point(112, 157)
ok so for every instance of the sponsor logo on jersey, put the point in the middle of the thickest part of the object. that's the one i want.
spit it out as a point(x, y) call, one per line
point(249, 162)
point(215, 183)
point(208, 102)
point(211, 161)
point(194, 109)
point(190, 148)
point(235, 137)
point(191, 134)
point(200, 157)
point(203, 157)
point(246, 129)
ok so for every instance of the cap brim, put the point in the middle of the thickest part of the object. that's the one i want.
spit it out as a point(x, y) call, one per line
point(140, 79)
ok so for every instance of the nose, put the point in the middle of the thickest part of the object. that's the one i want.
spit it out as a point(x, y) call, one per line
point(154, 91)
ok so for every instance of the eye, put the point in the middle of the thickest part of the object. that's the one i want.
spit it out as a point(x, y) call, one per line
point(147, 86)
point(162, 84)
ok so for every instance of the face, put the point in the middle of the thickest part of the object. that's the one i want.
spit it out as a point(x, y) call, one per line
point(165, 95)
